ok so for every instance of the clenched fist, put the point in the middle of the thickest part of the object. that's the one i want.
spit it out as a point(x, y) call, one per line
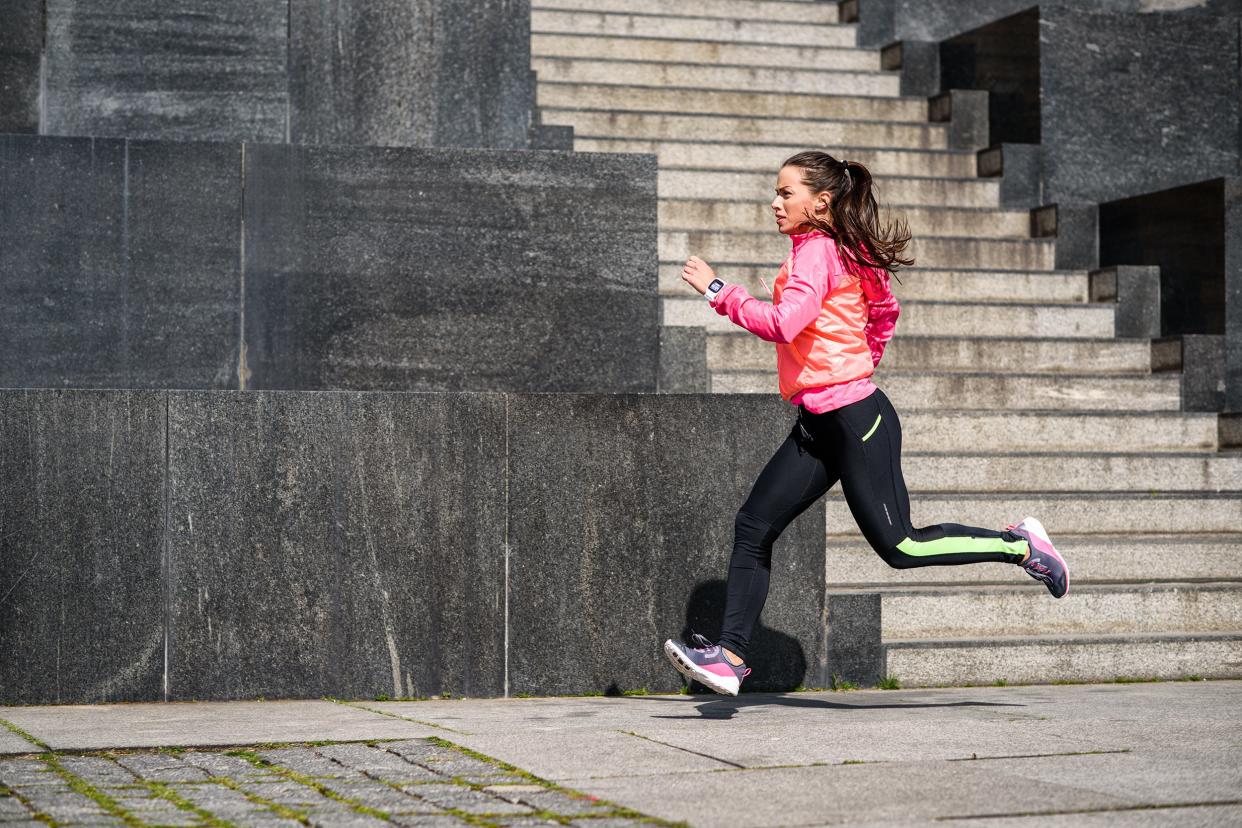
point(697, 274)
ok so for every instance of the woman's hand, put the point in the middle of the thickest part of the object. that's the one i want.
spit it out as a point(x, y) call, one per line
point(697, 274)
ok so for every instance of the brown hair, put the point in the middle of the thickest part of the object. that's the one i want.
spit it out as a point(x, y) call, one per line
point(855, 216)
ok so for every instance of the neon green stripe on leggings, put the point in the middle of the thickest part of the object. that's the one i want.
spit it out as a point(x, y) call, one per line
point(958, 546)
point(874, 426)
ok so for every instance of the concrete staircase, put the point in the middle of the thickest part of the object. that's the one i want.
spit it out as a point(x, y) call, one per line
point(1016, 396)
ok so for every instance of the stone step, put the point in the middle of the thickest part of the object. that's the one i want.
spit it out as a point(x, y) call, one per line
point(742, 351)
point(765, 158)
point(814, 12)
point(951, 319)
point(930, 251)
point(1068, 514)
point(850, 108)
point(850, 561)
point(704, 52)
point(1076, 431)
point(696, 76)
point(961, 391)
point(1079, 658)
point(789, 33)
point(605, 123)
point(1044, 471)
point(891, 192)
point(924, 222)
point(983, 286)
point(925, 613)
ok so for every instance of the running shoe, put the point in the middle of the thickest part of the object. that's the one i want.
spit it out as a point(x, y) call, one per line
point(706, 664)
point(1044, 563)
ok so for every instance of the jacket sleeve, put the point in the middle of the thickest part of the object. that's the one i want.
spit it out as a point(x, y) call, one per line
point(882, 312)
point(800, 302)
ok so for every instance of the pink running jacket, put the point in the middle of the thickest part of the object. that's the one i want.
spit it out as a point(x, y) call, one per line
point(830, 320)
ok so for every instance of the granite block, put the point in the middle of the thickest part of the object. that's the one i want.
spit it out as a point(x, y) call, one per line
point(180, 70)
point(683, 361)
point(919, 64)
point(436, 269)
point(1136, 102)
point(1136, 292)
point(1076, 227)
point(620, 532)
point(21, 48)
point(966, 111)
point(120, 263)
point(336, 544)
point(445, 73)
point(1232, 208)
point(855, 651)
point(1021, 171)
point(883, 21)
point(1203, 372)
point(81, 541)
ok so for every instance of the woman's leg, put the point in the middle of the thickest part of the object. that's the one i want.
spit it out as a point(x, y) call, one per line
point(868, 443)
point(793, 479)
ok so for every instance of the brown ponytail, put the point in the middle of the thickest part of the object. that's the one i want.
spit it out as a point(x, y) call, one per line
point(855, 215)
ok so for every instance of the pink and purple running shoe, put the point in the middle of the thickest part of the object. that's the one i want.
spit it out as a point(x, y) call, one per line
point(1044, 564)
point(706, 664)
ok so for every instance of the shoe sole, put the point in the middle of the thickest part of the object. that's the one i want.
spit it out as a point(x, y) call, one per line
point(692, 671)
point(1037, 528)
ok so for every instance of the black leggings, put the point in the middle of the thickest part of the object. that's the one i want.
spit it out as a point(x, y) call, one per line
point(860, 445)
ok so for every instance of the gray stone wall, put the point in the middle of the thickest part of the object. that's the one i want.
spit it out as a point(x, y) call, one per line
point(21, 47)
point(451, 73)
point(140, 264)
point(883, 21)
point(444, 73)
point(1136, 103)
point(213, 545)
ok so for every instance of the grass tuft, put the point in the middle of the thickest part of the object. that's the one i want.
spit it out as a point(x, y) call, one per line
point(889, 683)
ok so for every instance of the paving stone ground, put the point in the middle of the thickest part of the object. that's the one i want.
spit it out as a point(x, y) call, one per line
point(414, 782)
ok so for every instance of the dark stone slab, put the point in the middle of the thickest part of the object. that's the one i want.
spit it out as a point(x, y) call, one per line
point(1136, 292)
point(446, 73)
point(119, 264)
point(429, 269)
point(1077, 229)
point(683, 361)
point(1203, 372)
point(81, 539)
point(182, 70)
point(621, 528)
point(883, 21)
point(1136, 102)
point(336, 544)
point(1021, 172)
point(855, 652)
point(1232, 198)
point(966, 111)
point(21, 42)
point(919, 64)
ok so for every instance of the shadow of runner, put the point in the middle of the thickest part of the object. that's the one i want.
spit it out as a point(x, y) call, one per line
point(778, 660)
point(725, 707)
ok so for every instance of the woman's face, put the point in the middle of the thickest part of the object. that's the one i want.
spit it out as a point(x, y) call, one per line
point(793, 201)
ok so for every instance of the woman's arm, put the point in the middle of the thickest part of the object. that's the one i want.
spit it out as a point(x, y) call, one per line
point(800, 302)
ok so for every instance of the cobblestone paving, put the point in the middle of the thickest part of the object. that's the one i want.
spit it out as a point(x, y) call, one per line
point(415, 782)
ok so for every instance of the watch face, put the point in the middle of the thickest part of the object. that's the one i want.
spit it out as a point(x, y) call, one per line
point(715, 285)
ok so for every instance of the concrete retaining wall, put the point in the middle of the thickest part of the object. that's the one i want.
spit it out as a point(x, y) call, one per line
point(214, 545)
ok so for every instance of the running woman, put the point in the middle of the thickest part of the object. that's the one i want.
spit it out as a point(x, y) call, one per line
point(831, 315)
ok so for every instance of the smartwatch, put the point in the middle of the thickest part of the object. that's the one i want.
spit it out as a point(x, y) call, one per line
point(714, 288)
